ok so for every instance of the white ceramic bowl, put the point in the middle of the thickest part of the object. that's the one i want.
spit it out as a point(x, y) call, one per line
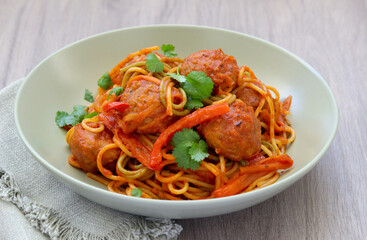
point(58, 83)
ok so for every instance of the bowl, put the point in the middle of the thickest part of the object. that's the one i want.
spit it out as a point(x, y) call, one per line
point(59, 81)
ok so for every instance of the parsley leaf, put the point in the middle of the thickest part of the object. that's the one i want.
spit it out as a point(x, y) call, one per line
point(189, 149)
point(105, 81)
point(136, 192)
point(168, 50)
point(90, 115)
point(64, 119)
point(116, 90)
point(153, 64)
point(88, 96)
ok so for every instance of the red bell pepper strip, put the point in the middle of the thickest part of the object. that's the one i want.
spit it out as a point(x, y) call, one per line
point(108, 120)
point(188, 121)
point(133, 144)
point(252, 172)
point(238, 184)
point(269, 164)
point(256, 158)
point(119, 106)
point(286, 104)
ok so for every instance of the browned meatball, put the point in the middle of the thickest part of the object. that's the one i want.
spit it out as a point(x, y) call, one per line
point(85, 146)
point(235, 135)
point(146, 114)
point(249, 96)
point(220, 67)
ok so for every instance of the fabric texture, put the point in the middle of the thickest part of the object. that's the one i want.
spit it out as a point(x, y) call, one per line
point(48, 205)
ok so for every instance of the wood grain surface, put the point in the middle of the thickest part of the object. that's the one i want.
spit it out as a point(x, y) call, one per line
point(331, 35)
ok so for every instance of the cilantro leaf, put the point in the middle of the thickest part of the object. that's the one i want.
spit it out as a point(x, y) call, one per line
point(90, 115)
point(153, 64)
point(198, 85)
point(105, 81)
point(183, 158)
point(61, 118)
point(189, 149)
point(79, 112)
point(180, 78)
point(116, 90)
point(64, 119)
point(199, 151)
point(185, 137)
point(136, 192)
point(88, 96)
point(168, 50)
point(193, 103)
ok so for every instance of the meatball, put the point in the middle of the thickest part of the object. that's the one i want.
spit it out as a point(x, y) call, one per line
point(146, 114)
point(85, 146)
point(249, 96)
point(220, 67)
point(235, 135)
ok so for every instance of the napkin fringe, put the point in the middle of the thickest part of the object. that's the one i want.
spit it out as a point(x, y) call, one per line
point(50, 223)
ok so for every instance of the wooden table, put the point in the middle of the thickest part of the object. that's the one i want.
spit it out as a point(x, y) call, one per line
point(329, 202)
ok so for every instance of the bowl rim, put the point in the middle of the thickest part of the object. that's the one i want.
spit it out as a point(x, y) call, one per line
point(289, 179)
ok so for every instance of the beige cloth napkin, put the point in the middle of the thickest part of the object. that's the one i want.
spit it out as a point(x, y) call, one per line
point(31, 196)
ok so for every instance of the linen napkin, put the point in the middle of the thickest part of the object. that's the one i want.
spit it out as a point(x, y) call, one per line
point(48, 205)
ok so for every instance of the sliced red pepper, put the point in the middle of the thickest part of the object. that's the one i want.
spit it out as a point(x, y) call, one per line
point(265, 114)
point(238, 184)
point(256, 158)
point(269, 164)
point(252, 172)
point(119, 106)
point(188, 121)
point(108, 120)
point(133, 144)
point(287, 104)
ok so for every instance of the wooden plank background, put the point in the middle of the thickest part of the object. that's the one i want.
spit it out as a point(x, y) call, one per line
point(331, 35)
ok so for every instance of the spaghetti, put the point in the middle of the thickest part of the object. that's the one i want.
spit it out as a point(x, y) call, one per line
point(127, 145)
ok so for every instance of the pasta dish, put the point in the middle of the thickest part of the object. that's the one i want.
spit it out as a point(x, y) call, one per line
point(162, 127)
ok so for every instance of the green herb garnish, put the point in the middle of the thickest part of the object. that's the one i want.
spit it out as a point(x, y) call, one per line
point(153, 64)
point(116, 90)
point(65, 119)
point(168, 50)
point(136, 192)
point(177, 76)
point(105, 81)
point(90, 115)
point(189, 149)
point(88, 96)
point(197, 86)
